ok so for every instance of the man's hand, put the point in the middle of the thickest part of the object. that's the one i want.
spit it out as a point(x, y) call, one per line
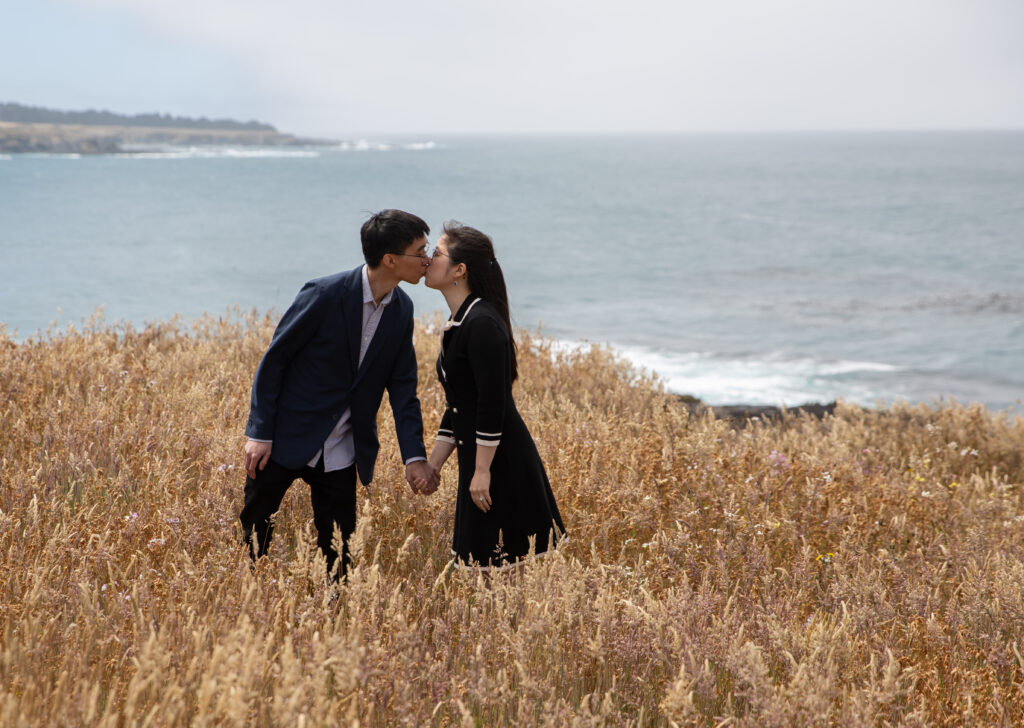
point(422, 477)
point(435, 479)
point(257, 454)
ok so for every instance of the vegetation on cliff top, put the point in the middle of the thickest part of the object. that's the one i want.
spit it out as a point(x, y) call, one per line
point(22, 114)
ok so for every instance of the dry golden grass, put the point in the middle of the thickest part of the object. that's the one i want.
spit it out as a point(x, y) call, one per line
point(862, 570)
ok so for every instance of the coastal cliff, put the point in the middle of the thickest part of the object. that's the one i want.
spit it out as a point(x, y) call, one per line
point(17, 138)
point(33, 129)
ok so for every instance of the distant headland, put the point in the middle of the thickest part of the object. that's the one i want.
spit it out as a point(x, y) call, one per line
point(31, 129)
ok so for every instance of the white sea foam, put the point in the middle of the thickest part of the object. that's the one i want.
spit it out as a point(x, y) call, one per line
point(769, 379)
point(366, 145)
point(420, 146)
point(5, 157)
point(53, 155)
point(216, 152)
point(852, 367)
point(362, 145)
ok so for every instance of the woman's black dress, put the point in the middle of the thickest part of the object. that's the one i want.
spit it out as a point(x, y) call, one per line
point(475, 370)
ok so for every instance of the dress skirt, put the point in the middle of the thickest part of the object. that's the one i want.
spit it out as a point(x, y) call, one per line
point(523, 516)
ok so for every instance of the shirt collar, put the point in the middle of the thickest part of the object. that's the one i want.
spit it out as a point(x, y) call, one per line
point(464, 309)
point(368, 293)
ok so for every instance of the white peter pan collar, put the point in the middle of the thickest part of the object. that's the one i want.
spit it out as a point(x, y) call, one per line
point(450, 322)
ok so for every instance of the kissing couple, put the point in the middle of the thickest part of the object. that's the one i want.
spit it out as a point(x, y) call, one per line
point(348, 337)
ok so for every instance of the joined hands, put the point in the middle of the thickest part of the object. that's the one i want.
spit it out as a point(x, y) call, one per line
point(422, 477)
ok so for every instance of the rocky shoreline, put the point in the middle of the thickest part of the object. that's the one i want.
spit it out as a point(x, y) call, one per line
point(25, 138)
point(741, 414)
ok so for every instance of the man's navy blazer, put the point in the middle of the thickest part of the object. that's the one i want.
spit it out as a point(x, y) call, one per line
point(311, 373)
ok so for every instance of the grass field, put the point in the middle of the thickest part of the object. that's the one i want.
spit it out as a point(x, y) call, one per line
point(866, 569)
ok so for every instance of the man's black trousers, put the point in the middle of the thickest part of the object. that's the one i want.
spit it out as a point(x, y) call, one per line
point(332, 494)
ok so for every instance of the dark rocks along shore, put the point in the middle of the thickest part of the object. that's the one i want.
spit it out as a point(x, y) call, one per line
point(741, 414)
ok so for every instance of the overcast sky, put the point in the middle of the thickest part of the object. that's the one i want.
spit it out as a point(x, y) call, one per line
point(339, 68)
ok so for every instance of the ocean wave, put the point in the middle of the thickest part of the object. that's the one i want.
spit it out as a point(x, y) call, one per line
point(362, 145)
point(420, 146)
point(959, 304)
point(852, 367)
point(365, 145)
point(5, 157)
point(52, 155)
point(766, 379)
point(219, 153)
point(970, 303)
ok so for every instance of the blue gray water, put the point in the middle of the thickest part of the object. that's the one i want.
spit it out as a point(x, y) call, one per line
point(760, 269)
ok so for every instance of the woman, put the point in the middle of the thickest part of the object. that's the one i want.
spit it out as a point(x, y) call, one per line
point(504, 499)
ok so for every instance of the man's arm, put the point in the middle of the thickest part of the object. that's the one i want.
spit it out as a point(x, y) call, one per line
point(297, 326)
point(405, 405)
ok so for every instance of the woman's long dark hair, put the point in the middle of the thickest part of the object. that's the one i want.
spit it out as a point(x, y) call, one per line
point(475, 250)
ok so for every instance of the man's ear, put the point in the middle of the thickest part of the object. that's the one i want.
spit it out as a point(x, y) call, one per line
point(388, 261)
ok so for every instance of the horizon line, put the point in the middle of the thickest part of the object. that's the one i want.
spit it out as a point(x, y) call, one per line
point(364, 134)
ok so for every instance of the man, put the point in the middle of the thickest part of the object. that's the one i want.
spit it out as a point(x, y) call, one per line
point(313, 415)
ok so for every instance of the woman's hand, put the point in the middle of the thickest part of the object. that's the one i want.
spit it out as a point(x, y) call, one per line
point(439, 455)
point(480, 489)
point(480, 486)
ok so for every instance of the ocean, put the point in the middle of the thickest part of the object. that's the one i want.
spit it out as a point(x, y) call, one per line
point(759, 269)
